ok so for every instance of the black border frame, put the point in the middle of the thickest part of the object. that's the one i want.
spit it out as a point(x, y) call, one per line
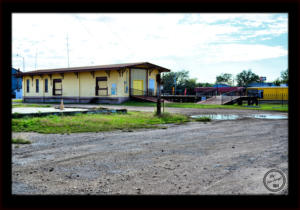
point(249, 201)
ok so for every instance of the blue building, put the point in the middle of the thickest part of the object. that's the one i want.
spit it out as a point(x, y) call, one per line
point(261, 84)
point(219, 85)
point(16, 84)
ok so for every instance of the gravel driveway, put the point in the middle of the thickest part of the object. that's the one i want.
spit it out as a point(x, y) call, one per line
point(218, 157)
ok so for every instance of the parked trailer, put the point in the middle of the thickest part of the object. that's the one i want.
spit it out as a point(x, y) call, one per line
point(271, 93)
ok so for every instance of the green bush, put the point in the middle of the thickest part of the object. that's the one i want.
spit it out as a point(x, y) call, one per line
point(20, 141)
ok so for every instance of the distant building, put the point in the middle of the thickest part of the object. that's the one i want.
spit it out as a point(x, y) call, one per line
point(221, 85)
point(212, 91)
point(16, 84)
point(273, 94)
point(261, 84)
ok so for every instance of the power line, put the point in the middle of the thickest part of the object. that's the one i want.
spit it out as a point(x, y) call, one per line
point(35, 59)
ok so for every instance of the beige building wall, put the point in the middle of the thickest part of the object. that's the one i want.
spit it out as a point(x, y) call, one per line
point(153, 76)
point(84, 85)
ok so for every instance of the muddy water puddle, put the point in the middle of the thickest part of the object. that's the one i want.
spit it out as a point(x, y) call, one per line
point(235, 117)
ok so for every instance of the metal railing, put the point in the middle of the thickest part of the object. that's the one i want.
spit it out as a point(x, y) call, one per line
point(177, 92)
point(136, 92)
point(229, 96)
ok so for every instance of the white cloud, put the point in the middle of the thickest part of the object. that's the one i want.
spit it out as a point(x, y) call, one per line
point(171, 40)
point(241, 52)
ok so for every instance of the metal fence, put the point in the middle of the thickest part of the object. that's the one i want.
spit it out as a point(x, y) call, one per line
point(136, 92)
point(229, 96)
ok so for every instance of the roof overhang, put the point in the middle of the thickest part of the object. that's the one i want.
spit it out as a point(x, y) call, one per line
point(145, 65)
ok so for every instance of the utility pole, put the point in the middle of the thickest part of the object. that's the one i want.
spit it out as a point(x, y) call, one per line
point(158, 104)
point(23, 62)
point(175, 79)
point(35, 59)
point(68, 50)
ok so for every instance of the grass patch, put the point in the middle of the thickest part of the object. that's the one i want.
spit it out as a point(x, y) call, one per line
point(17, 100)
point(266, 107)
point(94, 122)
point(203, 119)
point(20, 141)
point(30, 105)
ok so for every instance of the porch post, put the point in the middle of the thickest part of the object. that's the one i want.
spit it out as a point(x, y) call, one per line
point(147, 72)
point(129, 81)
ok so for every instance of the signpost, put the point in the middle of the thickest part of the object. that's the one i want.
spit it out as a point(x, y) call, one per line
point(262, 79)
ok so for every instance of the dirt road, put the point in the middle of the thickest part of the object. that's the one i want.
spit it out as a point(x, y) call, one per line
point(219, 157)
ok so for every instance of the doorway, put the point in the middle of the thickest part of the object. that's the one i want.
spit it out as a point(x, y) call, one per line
point(138, 87)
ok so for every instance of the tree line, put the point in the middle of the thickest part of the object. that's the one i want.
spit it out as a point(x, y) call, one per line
point(181, 80)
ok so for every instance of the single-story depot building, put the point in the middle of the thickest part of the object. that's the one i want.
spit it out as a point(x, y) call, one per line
point(91, 84)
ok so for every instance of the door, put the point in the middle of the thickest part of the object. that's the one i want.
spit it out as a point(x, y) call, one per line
point(113, 89)
point(57, 87)
point(101, 86)
point(151, 87)
point(138, 87)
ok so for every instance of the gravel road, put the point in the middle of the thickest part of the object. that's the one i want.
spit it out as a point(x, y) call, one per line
point(218, 157)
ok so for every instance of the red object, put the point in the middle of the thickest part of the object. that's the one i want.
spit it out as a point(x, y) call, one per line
point(221, 90)
point(185, 91)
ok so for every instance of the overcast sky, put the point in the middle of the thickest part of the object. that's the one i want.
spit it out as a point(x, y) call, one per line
point(205, 44)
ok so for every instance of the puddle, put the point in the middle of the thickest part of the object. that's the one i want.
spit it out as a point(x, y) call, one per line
point(268, 116)
point(218, 116)
point(234, 117)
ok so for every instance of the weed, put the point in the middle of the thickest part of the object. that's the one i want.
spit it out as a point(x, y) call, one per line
point(267, 107)
point(30, 105)
point(203, 119)
point(94, 122)
point(20, 141)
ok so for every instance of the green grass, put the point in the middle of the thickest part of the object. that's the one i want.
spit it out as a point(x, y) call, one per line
point(30, 105)
point(266, 107)
point(203, 119)
point(17, 100)
point(94, 122)
point(20, 141)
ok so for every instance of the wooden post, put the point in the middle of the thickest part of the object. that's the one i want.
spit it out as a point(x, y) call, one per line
point(61, 104)
point(158, 105)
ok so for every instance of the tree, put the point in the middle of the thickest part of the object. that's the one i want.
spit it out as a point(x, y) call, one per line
point(246, 77)
point(180, 77)
point(224, 78)
point(277, 82)
point(285, 76)
point(190, 85)
point(204, 85)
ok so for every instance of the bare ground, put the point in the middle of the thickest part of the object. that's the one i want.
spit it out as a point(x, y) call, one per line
point(219, 157)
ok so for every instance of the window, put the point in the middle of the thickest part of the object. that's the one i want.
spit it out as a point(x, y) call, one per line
point(27, 86)
point(46, 85)
point(101, 86)
point(125, 87)
point(114, 89)
point(57, 87)
point(36, 85)
point(151, 87)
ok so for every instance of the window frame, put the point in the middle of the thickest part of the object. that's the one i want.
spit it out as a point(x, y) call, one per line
point(97, 88)
point(37, 85)
point(54, 89)
point(46, 86)
point(27, 85)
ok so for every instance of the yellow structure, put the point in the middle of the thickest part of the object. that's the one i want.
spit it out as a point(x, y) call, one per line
point(273, 93)
point(97, 84)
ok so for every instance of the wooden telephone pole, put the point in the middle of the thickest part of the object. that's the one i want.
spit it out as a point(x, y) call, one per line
point(158, 105)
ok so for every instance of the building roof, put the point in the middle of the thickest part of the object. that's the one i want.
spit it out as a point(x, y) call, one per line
point(96, 68)
point(265, 87)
